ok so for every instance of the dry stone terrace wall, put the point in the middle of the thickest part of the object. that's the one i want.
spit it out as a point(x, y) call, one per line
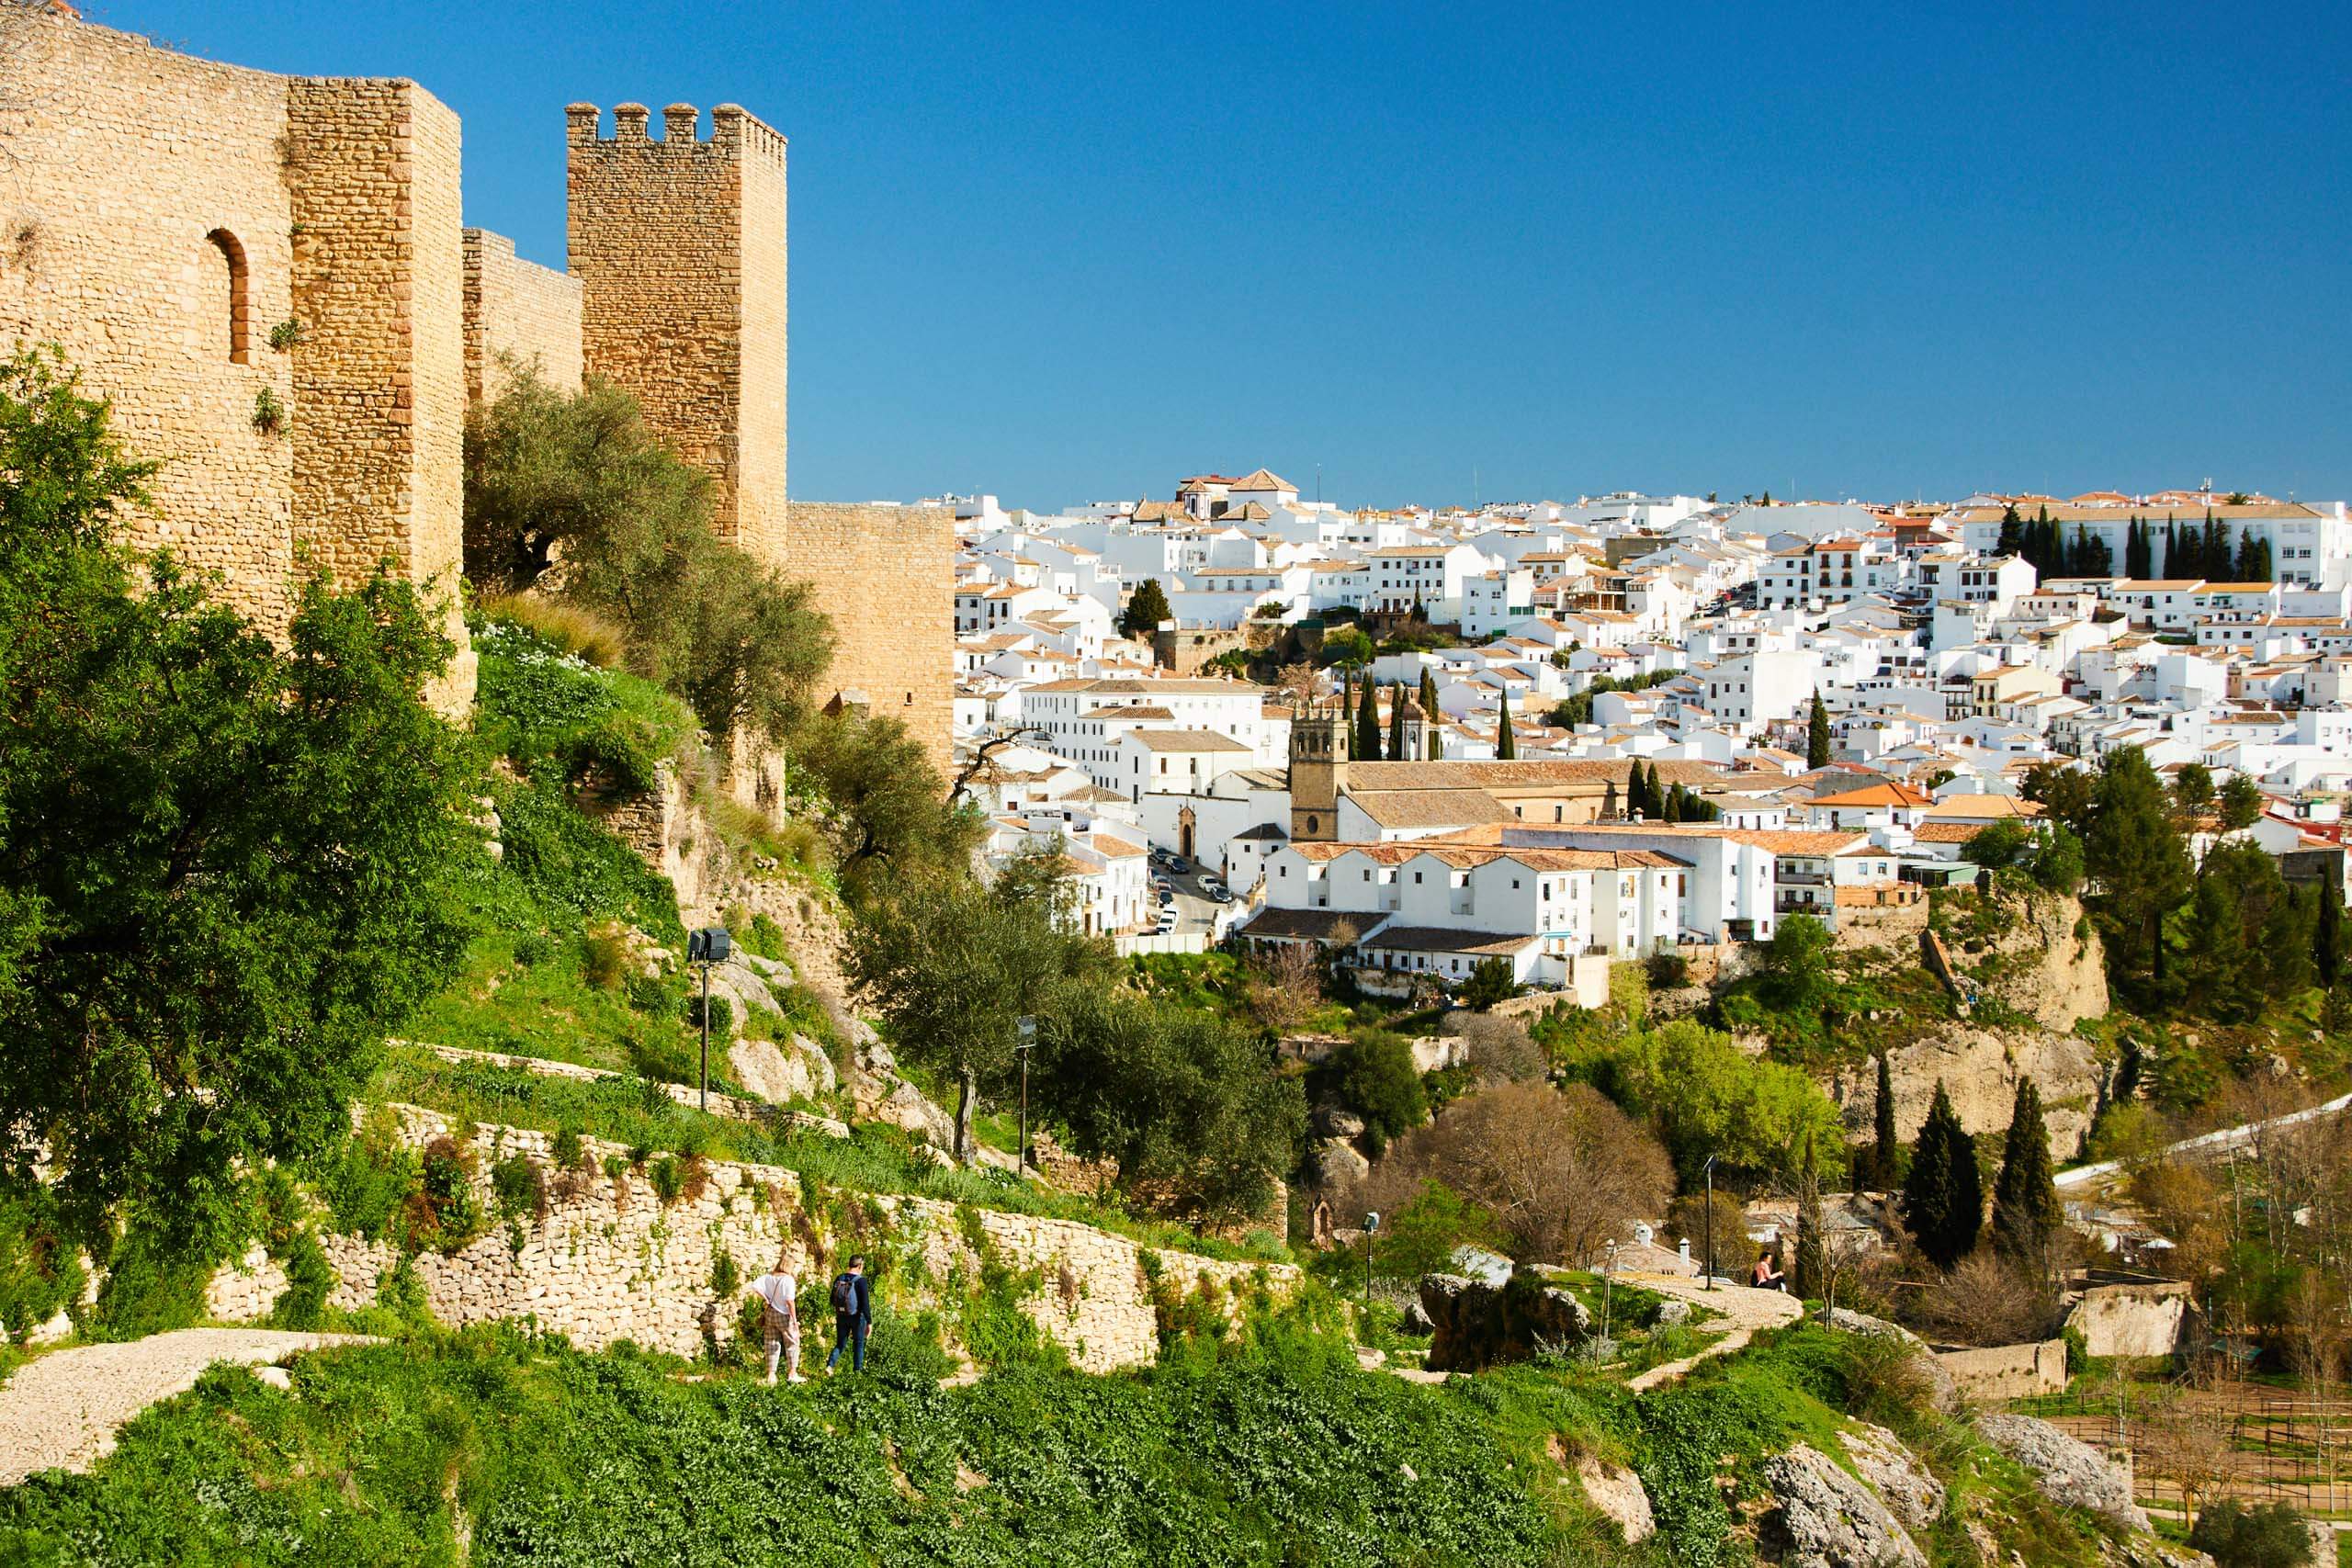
point(615, 1264)
point(520, 312)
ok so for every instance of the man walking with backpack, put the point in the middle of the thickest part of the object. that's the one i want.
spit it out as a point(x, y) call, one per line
point(852, 1314)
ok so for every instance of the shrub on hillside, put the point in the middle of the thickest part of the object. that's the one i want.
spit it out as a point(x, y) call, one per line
point(1374, 1077)
point(2268, 1535)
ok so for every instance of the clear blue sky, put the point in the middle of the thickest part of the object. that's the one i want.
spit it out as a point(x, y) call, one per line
point(1063, 251)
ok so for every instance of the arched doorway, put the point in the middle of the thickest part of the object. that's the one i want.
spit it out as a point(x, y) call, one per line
point(1184, 823)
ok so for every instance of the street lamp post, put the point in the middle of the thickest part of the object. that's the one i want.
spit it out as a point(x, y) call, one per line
point(1025, 1028)
point(707, 947)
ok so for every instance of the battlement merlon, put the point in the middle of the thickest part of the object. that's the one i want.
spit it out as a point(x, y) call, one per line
point(732, 128)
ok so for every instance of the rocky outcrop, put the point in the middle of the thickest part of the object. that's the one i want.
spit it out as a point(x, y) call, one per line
point(2041, 965)
point(1617, 1493)
point(782, 1071)
point(1923, 1354)
point(1980, 1069)
point(1476, 1325)
point(2068, 1472)
point(1896, 1474)
point(1822, 1517)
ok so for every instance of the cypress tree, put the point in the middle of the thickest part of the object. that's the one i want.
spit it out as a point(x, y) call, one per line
point(1887, 1156)
point(1505, 743)
point(2012, 540)
point(1816, 733)
point(1428, 714)
point(1396, 725)
point(2264, 570)
point(1368, 722)
point(1673, 808)
point(2026, 1211)
point(2327, 933)
point(2213, 552)
point(2172, 547)
point(1943, 1197)
point(1633, 806)
point(1347, 706)
point(2242, 564)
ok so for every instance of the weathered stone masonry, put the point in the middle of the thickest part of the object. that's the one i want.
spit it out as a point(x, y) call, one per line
point(161, 218)
point(607, 1266)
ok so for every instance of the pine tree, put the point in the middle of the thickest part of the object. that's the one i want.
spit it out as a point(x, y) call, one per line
point(1810, 1281)
point(1816, 733)
point(1368, 722)
point(1943, 1197)
point(1505, 743)
point(1609, 807)
point(2012, 540)
point(1396, 725)
point(1886, 1158)
point(2265, 571)
point(1428, 717)
point(2026, 1211)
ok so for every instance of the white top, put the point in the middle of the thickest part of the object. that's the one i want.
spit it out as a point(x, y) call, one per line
point(779, 1291)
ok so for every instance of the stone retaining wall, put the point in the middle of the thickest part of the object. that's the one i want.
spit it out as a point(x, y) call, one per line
point(610, 1262)
point(2006, 1371)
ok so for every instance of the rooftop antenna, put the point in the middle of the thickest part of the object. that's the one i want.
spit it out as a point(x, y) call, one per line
point(1318, 484)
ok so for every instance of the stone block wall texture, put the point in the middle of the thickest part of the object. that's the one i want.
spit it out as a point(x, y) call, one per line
point(612, 1263)
point(167, 213)
point(2006, 1371)
point(679, 246)
point(518, 313)
point(886, 575)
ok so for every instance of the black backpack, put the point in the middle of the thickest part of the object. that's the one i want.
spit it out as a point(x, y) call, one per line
point(845, 1295)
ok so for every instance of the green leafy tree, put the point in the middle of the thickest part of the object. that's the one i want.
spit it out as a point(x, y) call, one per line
point(1506, 738)
point(226, 868)
point(1796, 961)
point(2064, 792)
point(1367, 723)
point(579, 475)
point(1192, 1111)
point(1707, 1097)
point(1420, 1238)
point(1489, 982)
point(2139, 863)
point(1943, 1197)
point(2248, 939)
point(2240, 803)
point(1146, 607)
point(2266, 1535)
point(2026, 1211)
point(1376, 1077)
point(2192, 795)
point(1428, 714)
point(890, 816)
point(951, 962)
point(1816, 734)
point(1997, 846)
point(2056, 863)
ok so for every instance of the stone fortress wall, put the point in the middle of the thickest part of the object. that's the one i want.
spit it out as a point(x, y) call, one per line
point(613, 1263)
point(161, 217)
point(518, 313)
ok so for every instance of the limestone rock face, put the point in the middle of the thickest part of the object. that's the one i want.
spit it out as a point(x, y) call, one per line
point(2048, 971)
point(1620, 1496)
point(1825, 1518)
point(1340, 1164)
point(1980, 1069)
point(779, 1073)
point(1479, 1325)
point(2068, 1472)
point(1896, 1474)
point(1948, 1398)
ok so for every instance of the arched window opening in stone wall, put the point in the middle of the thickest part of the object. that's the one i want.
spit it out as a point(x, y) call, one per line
point(230, 305)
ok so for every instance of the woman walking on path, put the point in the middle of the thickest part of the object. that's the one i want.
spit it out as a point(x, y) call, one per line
point(779, 1291)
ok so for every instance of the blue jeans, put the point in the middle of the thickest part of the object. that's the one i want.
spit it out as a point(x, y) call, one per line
point(848, 1331)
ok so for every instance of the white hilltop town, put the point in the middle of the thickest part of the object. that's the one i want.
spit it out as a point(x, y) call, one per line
point(1621, 725)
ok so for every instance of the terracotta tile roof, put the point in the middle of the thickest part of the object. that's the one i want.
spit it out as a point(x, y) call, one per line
point(1428, 807)
point(1877, 794)
point(1188, 740)
point(1437, 939)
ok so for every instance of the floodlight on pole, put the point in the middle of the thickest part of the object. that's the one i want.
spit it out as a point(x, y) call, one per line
point(706, 947)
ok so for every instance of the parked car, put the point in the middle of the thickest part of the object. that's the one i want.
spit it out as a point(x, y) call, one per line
point(1211, 885)
point(1219, 896)
point(1180, 866)
point(1167, 922)
point(1167, 898)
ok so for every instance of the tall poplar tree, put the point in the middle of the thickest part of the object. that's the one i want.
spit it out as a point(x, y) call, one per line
point(1368, 721)
point(1943, 1197)
point(2026, 1211)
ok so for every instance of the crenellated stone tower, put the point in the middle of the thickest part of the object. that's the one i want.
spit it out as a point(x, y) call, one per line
point(680, 249)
